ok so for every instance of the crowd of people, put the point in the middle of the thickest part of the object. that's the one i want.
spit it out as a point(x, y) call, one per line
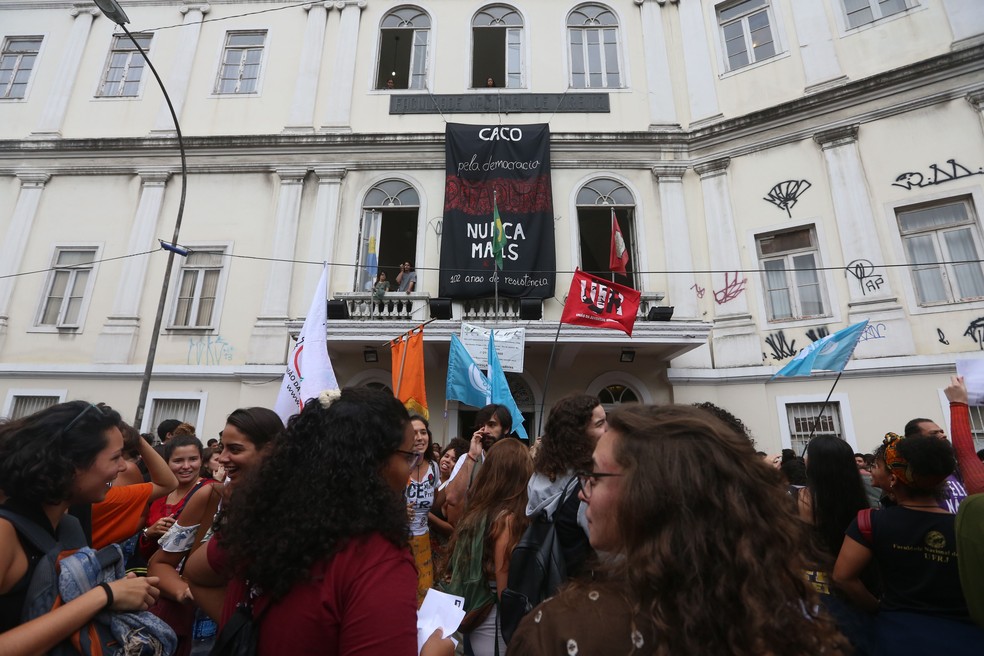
point(665, 533)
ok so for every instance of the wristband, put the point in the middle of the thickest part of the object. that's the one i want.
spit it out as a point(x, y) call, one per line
point(109, 595)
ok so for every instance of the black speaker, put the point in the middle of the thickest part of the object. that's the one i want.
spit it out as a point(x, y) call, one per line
point(530, 309)
point(440, 308)
point(660, 313)
point(337, 310)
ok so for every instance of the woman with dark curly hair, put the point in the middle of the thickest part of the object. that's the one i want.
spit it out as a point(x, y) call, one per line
point(325, 563)
point(484, 538)
point(574, 425)
point(67, 454)
point(702, 554)
point(922, 608)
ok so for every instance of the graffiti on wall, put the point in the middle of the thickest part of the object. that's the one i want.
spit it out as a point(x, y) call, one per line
point(937, 175)
point(781, 348)
point(873, 331)
point(209, 350)
point(942, 337)
point(816, 334)
point(733, 287)
point(785, 194)
point(975, 331)
point(864, 272)
point(698, 290)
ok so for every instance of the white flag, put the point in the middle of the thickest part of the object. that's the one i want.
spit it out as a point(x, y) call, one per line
point(309, 370)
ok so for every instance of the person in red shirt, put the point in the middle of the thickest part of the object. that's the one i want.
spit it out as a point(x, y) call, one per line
point(334, 575)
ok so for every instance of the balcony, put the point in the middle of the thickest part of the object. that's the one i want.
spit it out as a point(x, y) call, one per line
point(397, 306)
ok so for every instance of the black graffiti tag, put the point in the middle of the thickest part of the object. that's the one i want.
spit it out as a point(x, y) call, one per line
point(817, 334)
point(942, 337)
point(781, 349)
point(864, 272)
point(975, 331)
point(785, 194)
point(936, 175)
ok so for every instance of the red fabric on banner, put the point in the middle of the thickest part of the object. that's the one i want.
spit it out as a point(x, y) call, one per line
point(619, 256)
point(598, 303)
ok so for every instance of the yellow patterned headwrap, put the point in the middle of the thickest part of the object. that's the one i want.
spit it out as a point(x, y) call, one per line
point(894, 460)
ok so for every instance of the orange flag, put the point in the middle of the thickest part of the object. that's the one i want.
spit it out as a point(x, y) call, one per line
point(408, 386)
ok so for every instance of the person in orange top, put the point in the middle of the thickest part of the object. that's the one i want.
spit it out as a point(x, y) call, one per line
point(120, 514)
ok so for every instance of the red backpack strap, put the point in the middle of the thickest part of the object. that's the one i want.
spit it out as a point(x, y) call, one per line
point(864, 524)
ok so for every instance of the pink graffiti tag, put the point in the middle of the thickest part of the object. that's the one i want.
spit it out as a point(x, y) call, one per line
point(697, 288)
point(732, 289)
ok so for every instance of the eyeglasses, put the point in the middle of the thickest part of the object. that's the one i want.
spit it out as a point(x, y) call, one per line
point(413, 458)
point(80, 415)
point(590, 479)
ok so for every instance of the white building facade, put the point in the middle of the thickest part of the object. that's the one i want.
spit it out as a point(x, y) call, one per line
point(780, 169)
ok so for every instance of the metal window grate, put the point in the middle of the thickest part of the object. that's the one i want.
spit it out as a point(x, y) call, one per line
point(184, 410)
point(25, 406)
point(977, 426)
point(801, 417)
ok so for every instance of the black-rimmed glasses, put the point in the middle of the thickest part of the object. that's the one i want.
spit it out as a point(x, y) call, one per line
point(79, 416)
point(590, 479)
point(413, 458)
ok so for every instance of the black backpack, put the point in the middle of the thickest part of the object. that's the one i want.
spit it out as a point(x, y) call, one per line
point(536, 569)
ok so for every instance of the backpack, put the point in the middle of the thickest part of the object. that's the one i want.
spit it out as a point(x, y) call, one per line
point(536, 568)
point(67, 562)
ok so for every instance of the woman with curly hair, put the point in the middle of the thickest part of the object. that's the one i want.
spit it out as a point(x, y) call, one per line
point(246, 439)
point(325, 565)
point(574, 425)
point(484, 538)
point(913, 546)
point(701, 554)
point(67, 454)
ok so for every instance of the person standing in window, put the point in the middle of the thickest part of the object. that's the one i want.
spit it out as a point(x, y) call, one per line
point(406, 278)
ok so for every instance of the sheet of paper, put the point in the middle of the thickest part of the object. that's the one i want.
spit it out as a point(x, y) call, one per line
point(973, 373)
point(440, 610)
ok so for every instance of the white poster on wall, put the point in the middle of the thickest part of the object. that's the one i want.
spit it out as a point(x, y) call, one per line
point(509, 345)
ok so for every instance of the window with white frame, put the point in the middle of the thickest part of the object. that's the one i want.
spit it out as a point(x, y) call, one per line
point(977, 426)
point(942, 245)
point(125, 66)
point(239, 71)
point(389, 232)
point(861, 12)
point(747, 32)
point(403, 39)
point(198, 289)
point(184, 410)
point(497, 48)
point(806, 419)
point(790, 261)
point(592, 35)
point(616, 394)
point(597, 201)
point(16, 63)
point(25, 405)
point(67, 287)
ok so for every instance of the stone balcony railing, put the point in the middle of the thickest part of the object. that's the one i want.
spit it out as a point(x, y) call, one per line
point(399, 306)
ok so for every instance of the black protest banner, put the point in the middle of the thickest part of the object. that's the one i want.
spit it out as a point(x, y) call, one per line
point(510, 166)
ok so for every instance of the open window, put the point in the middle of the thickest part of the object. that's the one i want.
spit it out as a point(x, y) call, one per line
point(403, 39)
point(497, 48)
point(595, 202)
point(389, 232)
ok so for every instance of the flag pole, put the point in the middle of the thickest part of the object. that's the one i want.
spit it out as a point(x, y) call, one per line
point(820, 414)
point(546, 381)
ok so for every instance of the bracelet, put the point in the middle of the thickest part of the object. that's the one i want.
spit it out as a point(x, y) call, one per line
point(109, 595)
point(473, 458)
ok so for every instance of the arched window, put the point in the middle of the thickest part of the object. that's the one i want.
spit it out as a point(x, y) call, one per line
point(615, 395)
point(388, 236)
point(497, 48)
point(592, 34)
point(597, 202)
point(403, 38)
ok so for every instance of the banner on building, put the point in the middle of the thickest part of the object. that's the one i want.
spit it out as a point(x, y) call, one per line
point(505, 167)
point(510, 346)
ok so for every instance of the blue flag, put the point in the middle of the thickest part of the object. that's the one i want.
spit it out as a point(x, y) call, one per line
point(830, 353)
point(500, 389)
point(466, 382)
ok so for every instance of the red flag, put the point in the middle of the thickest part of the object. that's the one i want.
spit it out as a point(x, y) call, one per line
point(620, 254)
point(598, 303)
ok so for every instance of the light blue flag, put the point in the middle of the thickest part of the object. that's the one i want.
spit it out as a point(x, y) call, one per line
point(500, 389)
point(830, 353)
point(466, 382)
